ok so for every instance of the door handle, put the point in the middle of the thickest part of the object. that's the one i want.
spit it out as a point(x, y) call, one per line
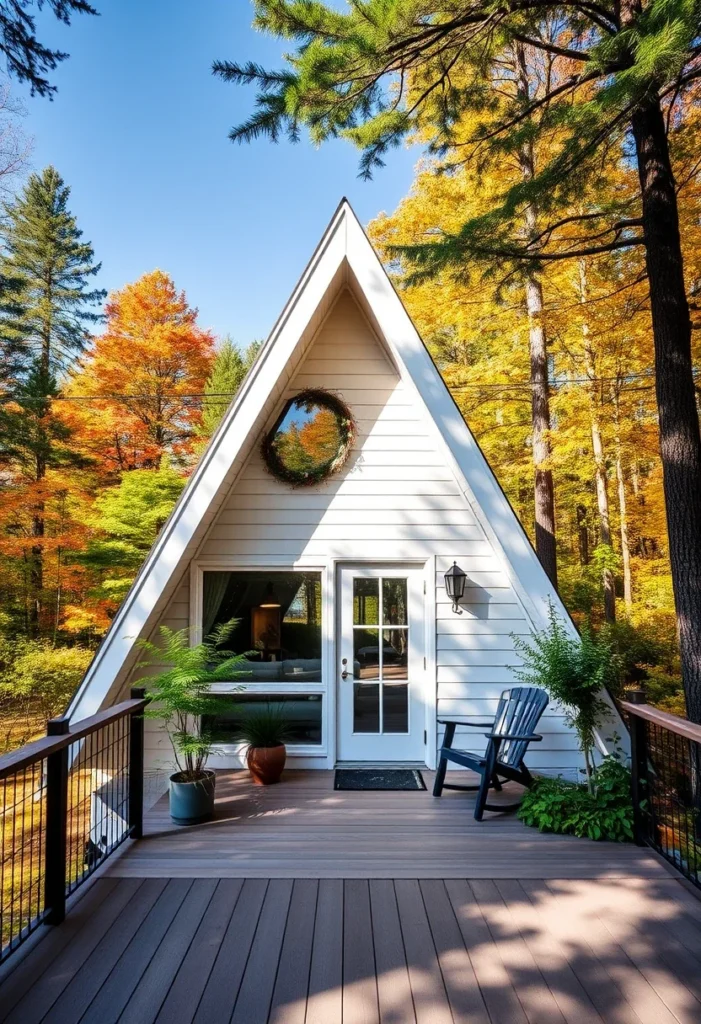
point(345, 673)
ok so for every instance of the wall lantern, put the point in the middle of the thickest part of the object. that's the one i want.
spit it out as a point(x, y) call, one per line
point(455, 580)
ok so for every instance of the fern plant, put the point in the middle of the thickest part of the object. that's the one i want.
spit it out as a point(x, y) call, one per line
point(574, 671)
point(181, 694)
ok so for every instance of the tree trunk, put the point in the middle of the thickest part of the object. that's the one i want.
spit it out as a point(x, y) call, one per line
point(600, 471)
point(582, 535)
point(623, 511)
point(545, 543)
point(680, 438)
point(36, 571)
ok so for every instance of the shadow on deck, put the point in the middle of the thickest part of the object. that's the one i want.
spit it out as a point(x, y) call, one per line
point(307, 906)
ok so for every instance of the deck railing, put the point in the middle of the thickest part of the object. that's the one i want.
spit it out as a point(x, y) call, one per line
point(666, 774)
point(67, 801)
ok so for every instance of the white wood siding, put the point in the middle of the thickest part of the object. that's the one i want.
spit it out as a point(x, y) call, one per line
point(395, 499)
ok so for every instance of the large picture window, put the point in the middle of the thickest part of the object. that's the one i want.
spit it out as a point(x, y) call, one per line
point(302, 713)
point(278, 621)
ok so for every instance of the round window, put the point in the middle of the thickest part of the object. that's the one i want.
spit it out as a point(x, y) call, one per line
point(311, 440)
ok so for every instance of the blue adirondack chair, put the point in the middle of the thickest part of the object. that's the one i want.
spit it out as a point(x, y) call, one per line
point(510, 733)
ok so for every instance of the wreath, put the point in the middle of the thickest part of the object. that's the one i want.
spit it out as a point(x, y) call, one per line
point(301, 455)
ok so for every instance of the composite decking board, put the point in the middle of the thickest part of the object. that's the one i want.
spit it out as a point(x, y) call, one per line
point(569, 993)
point(428, 989)
point(255, 994)
point(661, 970)
point(15, 979)
point(148, 996)
point(580, 909)
point(107, 1006)
point(535, 996)
point(86, 983)
point(500, 997)
point(303, 828)
point(219, 996)
point(325, 994)
point(603, 991)
point(289, 1005)
point(359, 975)
point(181, 1003)
point(466, 1001)
point(356, 951)
point(39, 999)
point(395, 1001)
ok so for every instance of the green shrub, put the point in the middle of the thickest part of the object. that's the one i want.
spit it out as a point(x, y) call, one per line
point(569, 808)
point(43, 677)
point(575, 671)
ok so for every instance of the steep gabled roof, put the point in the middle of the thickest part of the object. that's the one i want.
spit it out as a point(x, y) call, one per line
point(344, 257)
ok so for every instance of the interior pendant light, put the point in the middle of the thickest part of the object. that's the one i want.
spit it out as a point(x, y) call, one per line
point(269, 598)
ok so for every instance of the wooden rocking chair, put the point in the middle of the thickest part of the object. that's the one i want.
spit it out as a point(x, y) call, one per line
point(510, 733)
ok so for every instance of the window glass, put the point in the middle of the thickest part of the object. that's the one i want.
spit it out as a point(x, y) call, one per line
point(302, 714)
point(278, 621)
point(394, 609)
point(366, 602)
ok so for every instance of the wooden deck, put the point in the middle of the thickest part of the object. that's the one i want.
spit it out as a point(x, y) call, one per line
point(302, 828)
point(611, 938)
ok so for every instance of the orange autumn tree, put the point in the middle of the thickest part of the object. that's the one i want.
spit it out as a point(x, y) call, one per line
point(133, 395)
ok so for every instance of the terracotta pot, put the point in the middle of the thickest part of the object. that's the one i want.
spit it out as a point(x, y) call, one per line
point(266, 763)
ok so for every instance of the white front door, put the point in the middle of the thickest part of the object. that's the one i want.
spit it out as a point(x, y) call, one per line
point(381, 674)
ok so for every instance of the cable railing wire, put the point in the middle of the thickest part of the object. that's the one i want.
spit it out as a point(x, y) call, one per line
point(67, 802)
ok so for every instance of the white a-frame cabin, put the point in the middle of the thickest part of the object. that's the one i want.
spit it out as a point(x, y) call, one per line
point(361, 645)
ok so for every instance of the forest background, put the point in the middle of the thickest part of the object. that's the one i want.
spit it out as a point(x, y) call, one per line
point(105, 408)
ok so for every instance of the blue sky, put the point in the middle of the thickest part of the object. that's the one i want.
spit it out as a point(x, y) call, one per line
point(139, 131)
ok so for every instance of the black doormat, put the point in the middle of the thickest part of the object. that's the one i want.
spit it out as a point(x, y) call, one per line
point(378, 778)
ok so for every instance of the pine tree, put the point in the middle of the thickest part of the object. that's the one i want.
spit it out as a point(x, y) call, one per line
point(378, 72)
point(26, 57)
point(230, 367)
point(47, 310)
point(52, 269)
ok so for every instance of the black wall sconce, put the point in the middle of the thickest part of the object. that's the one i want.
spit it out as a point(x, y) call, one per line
point(455, 580)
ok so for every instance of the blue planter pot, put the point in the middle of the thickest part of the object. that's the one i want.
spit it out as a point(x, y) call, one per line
point(192, 802)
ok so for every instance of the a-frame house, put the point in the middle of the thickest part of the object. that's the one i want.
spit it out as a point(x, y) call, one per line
point(361, 645)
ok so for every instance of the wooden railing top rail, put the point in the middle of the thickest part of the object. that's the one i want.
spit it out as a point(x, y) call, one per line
point(37, 750)
point(664, 719)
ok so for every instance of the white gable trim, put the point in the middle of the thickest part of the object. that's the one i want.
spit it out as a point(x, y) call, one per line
point(343, 244)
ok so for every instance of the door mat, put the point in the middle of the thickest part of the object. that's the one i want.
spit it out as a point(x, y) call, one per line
point(378, 778)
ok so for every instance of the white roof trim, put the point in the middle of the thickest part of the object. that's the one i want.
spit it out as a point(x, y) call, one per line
point(344, 239)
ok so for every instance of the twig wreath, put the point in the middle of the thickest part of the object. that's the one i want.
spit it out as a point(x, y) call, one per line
point(305, 446)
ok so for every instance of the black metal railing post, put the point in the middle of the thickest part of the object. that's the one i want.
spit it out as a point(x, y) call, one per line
point(639, 769)
point(56, 822)
point(136, 767)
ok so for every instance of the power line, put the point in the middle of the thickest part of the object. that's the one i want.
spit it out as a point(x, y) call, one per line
point(212, 396)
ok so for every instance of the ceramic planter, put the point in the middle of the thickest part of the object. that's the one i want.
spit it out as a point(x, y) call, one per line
point(192, 802)
point(266, 764)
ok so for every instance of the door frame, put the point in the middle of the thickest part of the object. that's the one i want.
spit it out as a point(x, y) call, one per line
point(429, 686)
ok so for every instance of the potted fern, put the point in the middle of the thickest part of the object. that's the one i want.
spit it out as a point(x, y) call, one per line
point(265, 730)
point(180, 696)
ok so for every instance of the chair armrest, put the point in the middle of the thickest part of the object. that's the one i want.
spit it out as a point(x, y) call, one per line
point(505, 736)
point(472, 725)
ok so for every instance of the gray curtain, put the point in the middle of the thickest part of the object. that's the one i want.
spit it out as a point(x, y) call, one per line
point(215, 584)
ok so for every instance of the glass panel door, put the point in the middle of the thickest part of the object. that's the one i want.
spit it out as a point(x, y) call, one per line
point(381, 710)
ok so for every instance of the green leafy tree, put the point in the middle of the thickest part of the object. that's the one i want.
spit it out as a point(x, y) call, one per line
point(611, 74)
point(230, 367)
point(130, 517)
